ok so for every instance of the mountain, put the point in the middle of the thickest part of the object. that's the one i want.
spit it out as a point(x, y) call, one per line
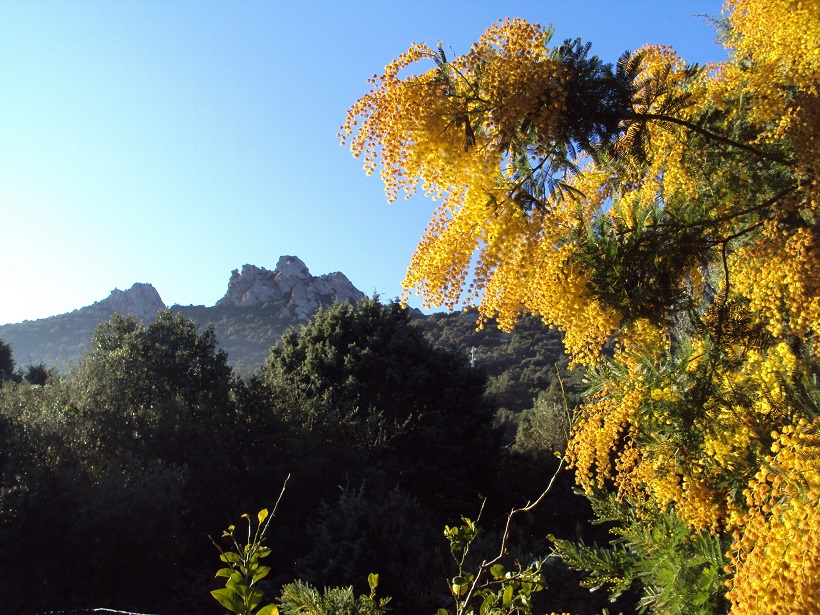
point(291, 283)
point(257, 308)
point(260, 305)
point(60, 340)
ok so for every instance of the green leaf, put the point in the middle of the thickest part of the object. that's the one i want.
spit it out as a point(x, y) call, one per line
point(459, 586)
point(263, 514)
point(237, 584)
point(497, 571)
point(230, 557)
point(225, 597)
point(506, 597)
point(442, 612)
point(262, 552)
point(260, 573)
point(224, 572)
point(253, 598)
point(489, 599)
point(699, 599)
point(268, 610)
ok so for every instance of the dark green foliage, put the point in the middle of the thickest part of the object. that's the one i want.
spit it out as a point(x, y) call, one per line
point(598, 97)
point(359, 532)
point(417, 411)
point(365, 399)
point(116, 470)
point(113, 473)
point(6, 361)
point(300, 598)
point(638, 267)
point(518, 364)
point(543, 430)
point(38, 374)
point(667, 567)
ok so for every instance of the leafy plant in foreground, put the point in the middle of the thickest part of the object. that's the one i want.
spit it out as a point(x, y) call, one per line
point(240, 595)
point(299, 598)
point(494, 587)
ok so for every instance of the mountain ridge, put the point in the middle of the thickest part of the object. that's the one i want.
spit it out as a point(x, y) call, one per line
point(281, 298)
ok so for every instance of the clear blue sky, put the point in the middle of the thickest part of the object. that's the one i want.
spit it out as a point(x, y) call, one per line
point(171, 142)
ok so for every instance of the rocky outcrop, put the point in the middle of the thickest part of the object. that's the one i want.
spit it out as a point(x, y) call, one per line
point(141, 300)
point(291, 284)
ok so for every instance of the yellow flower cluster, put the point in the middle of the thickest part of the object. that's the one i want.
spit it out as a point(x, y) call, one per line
point(450, 126)
point(775, 558)
point(748, 396)
point(779, 275)
point(776, 47)
point(451, 129)
point(594, 450)
point(780, 41)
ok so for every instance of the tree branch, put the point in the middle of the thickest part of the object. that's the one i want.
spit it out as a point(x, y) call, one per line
point(659, 117)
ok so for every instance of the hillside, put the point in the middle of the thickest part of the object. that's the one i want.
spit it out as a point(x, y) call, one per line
point(260, 305)
point(257, 308)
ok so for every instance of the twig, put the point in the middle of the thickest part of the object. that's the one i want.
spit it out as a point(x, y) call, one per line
point(486, 565)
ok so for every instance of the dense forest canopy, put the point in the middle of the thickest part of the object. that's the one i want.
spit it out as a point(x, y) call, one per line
point(669, 211)
point(119, 469)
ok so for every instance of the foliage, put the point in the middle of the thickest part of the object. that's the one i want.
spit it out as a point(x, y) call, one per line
point(6, 360)
point(545, 428)
point(128, 447)
point(365, 528)
point(299, 598)
point(499, 584)
point(670, 568)
point(38, 374)
point(152, 438)
point(519, 363)
point(240, 594)
point(368, 383)
point(501, 591)
point(363, 399)
point(664, 217)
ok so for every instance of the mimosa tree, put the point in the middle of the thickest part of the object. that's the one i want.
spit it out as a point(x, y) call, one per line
point(664, 217)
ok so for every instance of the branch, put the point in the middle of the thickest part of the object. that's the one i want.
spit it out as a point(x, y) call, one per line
point(659, 117)
point(486, 565)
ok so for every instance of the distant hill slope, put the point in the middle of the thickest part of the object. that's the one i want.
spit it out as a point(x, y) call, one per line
point(519, 364)
point(60, 340)
point(260, 305)
point(257, 308)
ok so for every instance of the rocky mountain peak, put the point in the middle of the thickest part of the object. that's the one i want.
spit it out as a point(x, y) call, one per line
point(141, 300)
point(290, 283)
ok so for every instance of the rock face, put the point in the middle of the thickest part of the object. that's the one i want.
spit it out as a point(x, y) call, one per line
point(291, 283)
point(141, 300)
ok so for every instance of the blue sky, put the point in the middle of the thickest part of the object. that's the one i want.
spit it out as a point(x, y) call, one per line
point(171, 142)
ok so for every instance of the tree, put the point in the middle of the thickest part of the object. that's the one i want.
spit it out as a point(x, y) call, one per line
point(383, 388)
point(6, 361)
point(369, 404)
point(114, 470)
point(669, 212)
